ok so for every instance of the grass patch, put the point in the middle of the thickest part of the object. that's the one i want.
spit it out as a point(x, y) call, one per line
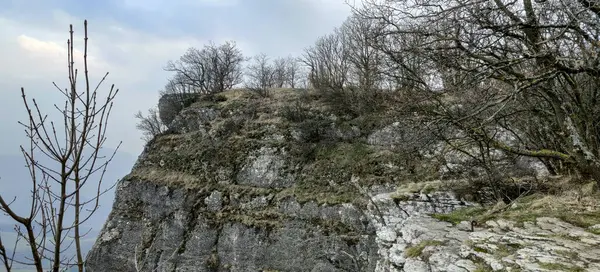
point(481, 265)
point(212, 261)
point(359, 159)
point(466, 214)
point(417, 250)
point(505, 250)
point(483, 268)
point(566, 208)
point(481, 250)
point(560, 267)
point(565, 236)
point(401, 197)
point(593, 230)
point(569, 254)
point(369, 122)
point(327, 168)
point(321, 194)
point(582, 213)
point(160, 176)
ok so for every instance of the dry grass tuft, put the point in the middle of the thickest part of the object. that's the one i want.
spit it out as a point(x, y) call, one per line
point(577, 205)
point(165, 177)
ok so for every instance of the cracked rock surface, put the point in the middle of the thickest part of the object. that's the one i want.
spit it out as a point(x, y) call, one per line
point(411, 240)
point(154, 228)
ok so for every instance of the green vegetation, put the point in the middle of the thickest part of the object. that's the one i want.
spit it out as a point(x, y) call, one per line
point(560, 267)
point(506, 249)
point(483, 268)
point(212, 159)
point(320, 161)
point(594, 230)
point(527, 209)
point(419, 187)
point(466, 214)
point(481, 250)
point(212, 261)
point(417, 250)
point(569, 254)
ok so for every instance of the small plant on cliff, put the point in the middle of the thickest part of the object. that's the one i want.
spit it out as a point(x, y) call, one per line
point(417, 250)
point(58, 205)
point(213, 262)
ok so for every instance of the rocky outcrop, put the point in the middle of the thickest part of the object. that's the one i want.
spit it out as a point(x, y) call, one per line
point(157, 228)
point(241, 183)
point(169, 105)
point(411, 240)
point(192, 119)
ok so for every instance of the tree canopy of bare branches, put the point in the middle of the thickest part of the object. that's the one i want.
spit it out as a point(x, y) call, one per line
point(365, 60)
point(328, 62)
point(212, 69)
point(528, 68)
point(346, 57)
point(293, 71)
point(150, 125)
point(262, 75)
point(280, 72)
point(58, 206)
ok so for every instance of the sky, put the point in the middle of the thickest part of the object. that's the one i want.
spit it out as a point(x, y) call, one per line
point(133, 40)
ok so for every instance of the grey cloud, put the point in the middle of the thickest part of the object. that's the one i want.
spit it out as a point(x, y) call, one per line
point(136, 47)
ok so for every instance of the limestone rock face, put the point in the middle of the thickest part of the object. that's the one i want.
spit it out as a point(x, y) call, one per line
point(155, 228)
point(242, 183)
point(193, 119)
point(264, 170)
point(423, 243)
point(395, 135)
point(170, 105)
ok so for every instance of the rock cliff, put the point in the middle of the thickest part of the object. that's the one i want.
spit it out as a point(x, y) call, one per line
point(244, 183)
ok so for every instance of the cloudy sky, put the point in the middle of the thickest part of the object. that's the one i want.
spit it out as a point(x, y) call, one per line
point(131, 39)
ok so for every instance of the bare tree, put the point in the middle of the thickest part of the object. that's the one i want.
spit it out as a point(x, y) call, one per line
point(210, 70)
point(346, 57)
point(150, 125)
point(527, 67)
point(365, 60)
point(292, 71)
point(346, 68)
point(285, 72)
point(280, 72)
point(261, 75)
point(58, 205)
point(328, 62)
